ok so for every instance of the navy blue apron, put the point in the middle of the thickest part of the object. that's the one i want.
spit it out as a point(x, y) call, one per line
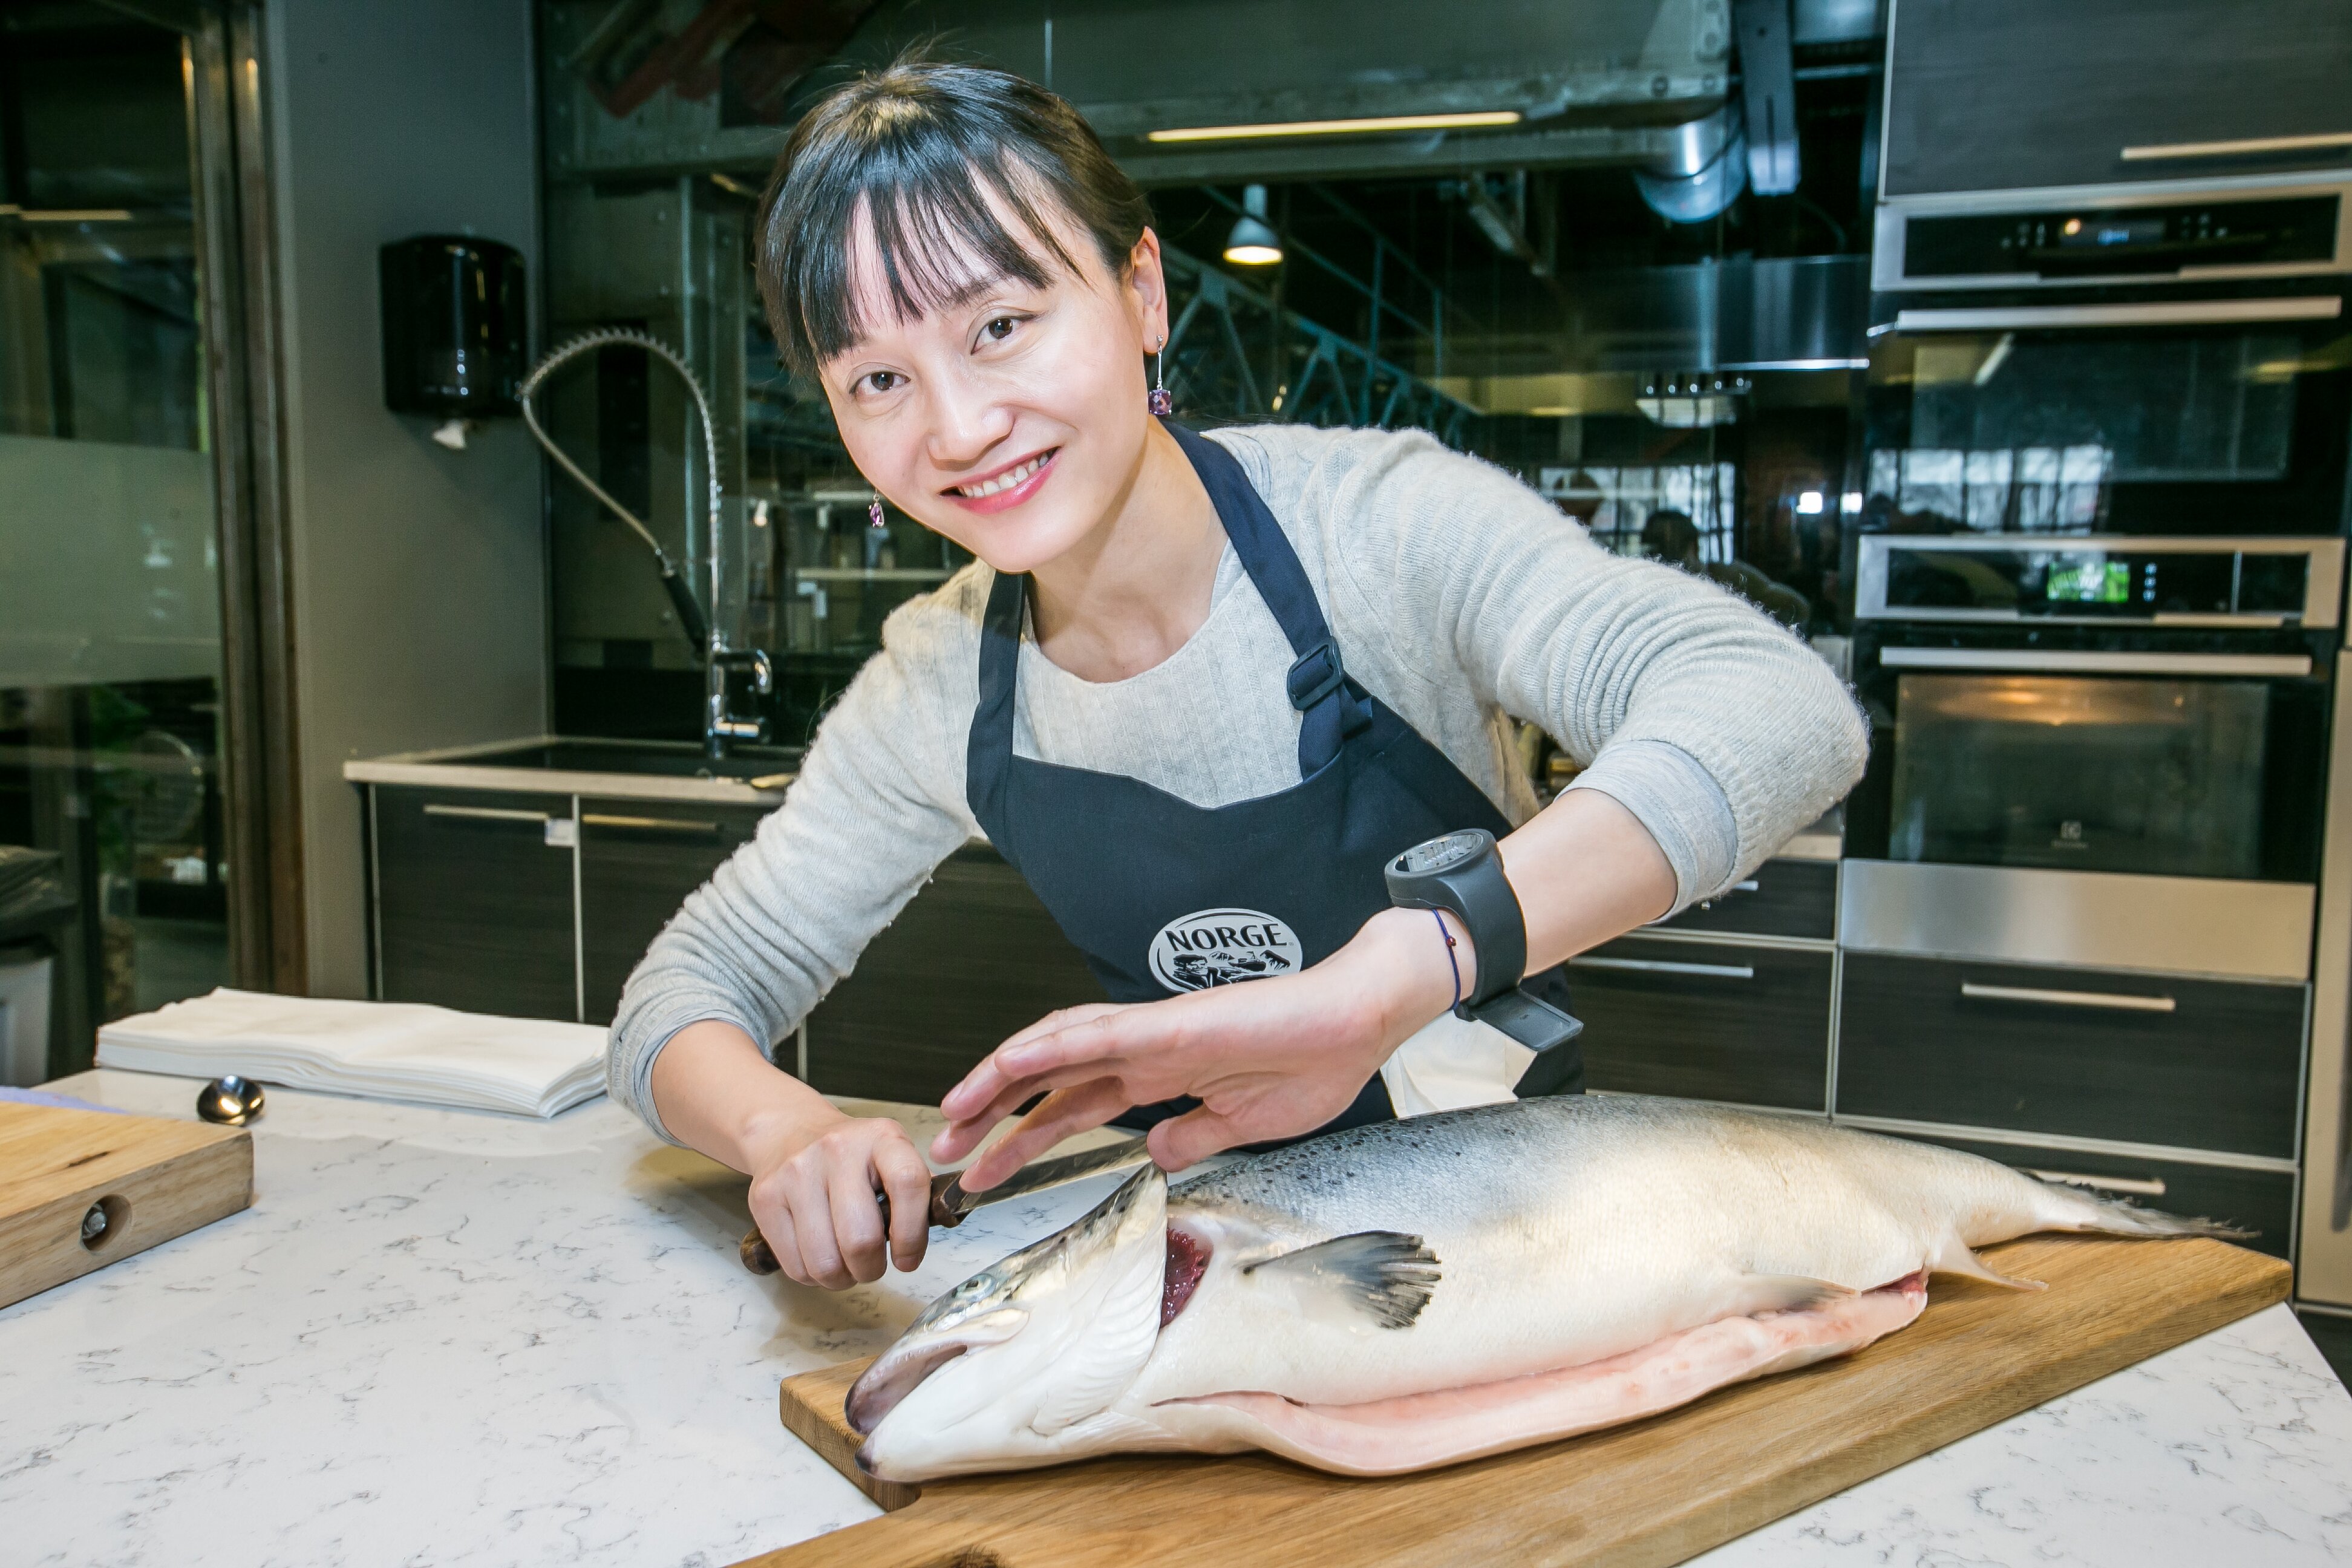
point(1162, 896)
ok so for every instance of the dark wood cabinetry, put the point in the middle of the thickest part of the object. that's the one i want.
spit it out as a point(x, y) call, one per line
point(2142, 1058)
point(974, 958)
point(1996, 95)
point(1743, 1022)
point(1779, 898)
point(473, 894)
point(638, 861)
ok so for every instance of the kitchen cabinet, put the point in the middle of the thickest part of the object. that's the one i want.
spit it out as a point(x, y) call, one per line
point(473, 900)
point(2261, 1201)
point(972, 959)
point(1995, 95)
point(1779, 898)
point(2134, 1057)
point(1743, 1022)
point(638, 861)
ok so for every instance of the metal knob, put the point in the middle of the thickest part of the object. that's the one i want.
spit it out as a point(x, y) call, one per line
point(232, 1100)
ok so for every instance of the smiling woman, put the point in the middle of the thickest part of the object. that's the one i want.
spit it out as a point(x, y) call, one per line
point(1201, 693)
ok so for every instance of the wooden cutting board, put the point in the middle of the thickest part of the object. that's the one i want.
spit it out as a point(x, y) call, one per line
point(1654, 1492)
point(149, 1177)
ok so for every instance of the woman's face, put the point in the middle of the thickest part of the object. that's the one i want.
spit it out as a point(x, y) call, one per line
point(1012, 423)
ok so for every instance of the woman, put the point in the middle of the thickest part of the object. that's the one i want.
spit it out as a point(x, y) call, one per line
point(1186, 676)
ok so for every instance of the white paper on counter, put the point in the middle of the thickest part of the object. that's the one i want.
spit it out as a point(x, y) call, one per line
point(383, 1050)
point(1452, 1063)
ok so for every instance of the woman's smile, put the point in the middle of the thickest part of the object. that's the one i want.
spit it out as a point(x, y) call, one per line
point(1006, 487)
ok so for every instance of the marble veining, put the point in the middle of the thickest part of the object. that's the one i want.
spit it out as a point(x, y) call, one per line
point(447, 1337)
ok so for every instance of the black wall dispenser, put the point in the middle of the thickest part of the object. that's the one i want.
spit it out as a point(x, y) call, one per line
point(456, 316)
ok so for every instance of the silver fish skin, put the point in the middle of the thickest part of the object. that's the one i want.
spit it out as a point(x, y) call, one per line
point(1351, 1275)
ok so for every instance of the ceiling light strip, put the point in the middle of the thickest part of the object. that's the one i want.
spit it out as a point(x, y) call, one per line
point(1339, 127)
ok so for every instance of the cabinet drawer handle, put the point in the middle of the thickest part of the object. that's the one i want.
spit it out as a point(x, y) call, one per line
point(2152, 1187)
point(1665, 966)
point(1970, 989)
point(649, 824)
point(488, 812)
point(2238, 148)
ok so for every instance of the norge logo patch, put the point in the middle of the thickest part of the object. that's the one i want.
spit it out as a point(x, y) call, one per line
point(1222, 947)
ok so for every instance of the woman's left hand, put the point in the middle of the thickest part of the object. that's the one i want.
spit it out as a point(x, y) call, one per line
point(1266, 1058)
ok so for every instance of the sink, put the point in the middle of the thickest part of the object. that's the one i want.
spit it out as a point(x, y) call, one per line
point(661, 759)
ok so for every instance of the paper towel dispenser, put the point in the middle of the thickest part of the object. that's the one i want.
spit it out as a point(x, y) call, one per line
point(456, 320)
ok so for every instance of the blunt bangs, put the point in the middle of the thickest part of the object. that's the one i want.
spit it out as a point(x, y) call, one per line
point(933, 159)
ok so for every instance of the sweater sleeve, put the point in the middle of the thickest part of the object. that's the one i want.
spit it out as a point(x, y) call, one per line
point(1719, 730)
point(878, 805)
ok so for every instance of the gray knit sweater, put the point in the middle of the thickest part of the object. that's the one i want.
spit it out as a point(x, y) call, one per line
point(1458, 598)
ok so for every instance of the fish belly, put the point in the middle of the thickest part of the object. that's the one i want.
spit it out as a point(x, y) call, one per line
point(1416, 1431)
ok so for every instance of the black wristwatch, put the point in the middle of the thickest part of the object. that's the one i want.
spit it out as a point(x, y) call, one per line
point(1461, 874)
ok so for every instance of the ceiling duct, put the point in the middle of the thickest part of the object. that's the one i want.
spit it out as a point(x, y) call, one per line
point(1702, 171)
point(1511, 83)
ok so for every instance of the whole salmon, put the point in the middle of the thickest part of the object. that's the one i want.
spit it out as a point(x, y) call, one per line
point(1418, 1292)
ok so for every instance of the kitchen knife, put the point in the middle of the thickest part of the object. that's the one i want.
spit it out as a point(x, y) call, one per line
point(950, 1203)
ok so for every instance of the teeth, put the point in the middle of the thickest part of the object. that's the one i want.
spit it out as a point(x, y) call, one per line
point(1007, 480)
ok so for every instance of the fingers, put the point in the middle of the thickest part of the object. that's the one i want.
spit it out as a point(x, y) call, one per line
point(1062, 1114)
point(988, 1081)
point(907, 1180)
point(856, 1221)
point(775, 1222)
point(1193, 1137)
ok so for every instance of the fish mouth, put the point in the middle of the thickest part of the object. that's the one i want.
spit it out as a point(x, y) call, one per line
point(892, 1377)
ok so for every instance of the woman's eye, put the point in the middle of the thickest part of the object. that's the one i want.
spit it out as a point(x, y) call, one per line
point(1000, 329)
point(882, 380)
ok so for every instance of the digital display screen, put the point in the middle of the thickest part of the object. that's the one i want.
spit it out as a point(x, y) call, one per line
point(2090, 579)
point(2105, 231)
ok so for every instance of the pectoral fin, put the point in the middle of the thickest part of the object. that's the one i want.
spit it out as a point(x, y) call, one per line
point(1386, 1276)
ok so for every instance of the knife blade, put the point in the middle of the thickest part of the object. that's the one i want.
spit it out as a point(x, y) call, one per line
point(950, 1204)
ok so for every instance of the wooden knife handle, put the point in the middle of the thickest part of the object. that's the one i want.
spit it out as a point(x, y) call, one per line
point(760, 1258)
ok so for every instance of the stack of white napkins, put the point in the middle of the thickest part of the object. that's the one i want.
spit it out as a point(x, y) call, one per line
point(383, 1050)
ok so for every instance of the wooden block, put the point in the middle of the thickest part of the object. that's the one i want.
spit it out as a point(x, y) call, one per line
point(1642, 1495)
point(154, 1178)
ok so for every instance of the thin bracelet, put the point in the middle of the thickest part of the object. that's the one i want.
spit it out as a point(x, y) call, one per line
point(1449, 958)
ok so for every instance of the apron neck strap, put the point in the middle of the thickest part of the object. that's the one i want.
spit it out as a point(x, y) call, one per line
point(1333, 707)
point(1318, 682)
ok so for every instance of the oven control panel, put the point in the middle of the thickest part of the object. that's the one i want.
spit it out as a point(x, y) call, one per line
point(2087, 578)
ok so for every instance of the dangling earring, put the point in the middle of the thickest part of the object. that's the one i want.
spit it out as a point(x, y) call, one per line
point(1162, 402)
point(874, 512)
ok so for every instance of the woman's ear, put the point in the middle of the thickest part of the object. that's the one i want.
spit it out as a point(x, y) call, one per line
point(1147, 285)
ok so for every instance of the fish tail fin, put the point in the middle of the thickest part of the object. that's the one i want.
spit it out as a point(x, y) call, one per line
point(2078, 1208)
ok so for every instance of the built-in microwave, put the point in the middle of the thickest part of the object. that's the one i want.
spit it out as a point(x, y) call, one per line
point(2220, 414)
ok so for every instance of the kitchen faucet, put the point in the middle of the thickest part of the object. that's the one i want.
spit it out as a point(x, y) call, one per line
point(719, 726)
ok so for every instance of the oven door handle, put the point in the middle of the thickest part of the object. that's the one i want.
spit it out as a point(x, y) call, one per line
point(2097, 661)
point(2241, 147)
point(2144, 313)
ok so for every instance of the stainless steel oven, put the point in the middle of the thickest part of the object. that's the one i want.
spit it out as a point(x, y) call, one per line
point(2097, 750)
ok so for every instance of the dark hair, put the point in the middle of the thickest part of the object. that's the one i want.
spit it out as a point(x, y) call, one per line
point(923, 145)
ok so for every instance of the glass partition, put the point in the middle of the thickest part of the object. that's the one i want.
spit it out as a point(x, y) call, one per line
point(112, 860)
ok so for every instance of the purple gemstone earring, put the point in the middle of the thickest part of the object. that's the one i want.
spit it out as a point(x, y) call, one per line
point(874, 512)
point(1162, 402)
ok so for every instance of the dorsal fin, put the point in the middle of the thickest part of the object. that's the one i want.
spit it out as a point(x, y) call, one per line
point(1386, 1275)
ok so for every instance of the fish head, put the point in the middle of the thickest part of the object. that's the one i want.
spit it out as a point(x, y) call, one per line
point(1021, 1364)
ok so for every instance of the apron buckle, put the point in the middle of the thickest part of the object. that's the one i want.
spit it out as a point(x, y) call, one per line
point(1315, 673)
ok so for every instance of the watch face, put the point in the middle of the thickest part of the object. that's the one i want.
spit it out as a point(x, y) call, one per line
point(1441, 853)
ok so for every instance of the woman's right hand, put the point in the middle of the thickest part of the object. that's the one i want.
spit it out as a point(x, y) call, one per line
point(813, 1197)
point(814, 1170)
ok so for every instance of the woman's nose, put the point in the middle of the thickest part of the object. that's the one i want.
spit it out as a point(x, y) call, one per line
point(967, 421)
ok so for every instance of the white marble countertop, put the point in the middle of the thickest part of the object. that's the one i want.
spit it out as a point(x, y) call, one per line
point(447, 1338)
